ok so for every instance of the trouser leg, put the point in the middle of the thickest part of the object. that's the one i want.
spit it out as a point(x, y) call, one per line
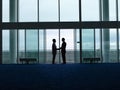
point(64, 58)
point(53, 61)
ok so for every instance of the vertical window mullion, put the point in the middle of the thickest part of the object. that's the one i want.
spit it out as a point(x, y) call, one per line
point(38, 29)
point(75, 46)
point(80, 30)
point(45, 46)
point(100, 10)
point(59, 35)
point(17, 31)
point(25, 42)
point(58, 10)
point(80, 10)
point(59, 29)
point(1, 32)
point(17, 46)
point(38, 46)
point(117, 31)
point(38, 10)
point(117, 10)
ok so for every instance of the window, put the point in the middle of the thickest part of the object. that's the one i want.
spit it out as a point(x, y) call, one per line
point(60, 18)
point(69, 10)
point(28, 11)
point(48, 10)
point(5, 10)
point(90, 10)
point(6, 48)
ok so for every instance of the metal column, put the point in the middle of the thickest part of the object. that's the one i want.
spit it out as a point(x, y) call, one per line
point(106, 33)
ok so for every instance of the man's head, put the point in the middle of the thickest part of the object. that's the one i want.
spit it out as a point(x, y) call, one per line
point(54, 40)
point(63, 39)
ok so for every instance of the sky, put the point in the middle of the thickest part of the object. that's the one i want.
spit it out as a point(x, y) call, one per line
point(69, 11)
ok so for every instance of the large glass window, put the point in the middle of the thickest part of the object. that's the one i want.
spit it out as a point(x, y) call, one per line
point(69, 10)
point(119, 10)
point(87, 43)
point(5, 49)
point(97, 43)
point(119, 45)
point(77, 45)
point(112, 10)
point(37, 43)
point(28, 11)
point(5, 10)
point(68, 34)
point(113, 45)
point(21, 44)
point(48, 10)
point(50, 35)
point(32, 44)
point(58, 35)
point(42, 46)
point(90, 10)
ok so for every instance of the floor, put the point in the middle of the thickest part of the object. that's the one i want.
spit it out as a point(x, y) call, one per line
point(60, 77)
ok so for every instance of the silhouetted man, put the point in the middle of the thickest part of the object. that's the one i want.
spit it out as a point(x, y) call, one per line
point(54, 50)
point(63, 50)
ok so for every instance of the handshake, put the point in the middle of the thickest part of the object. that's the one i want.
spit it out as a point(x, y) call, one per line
point(63, 50)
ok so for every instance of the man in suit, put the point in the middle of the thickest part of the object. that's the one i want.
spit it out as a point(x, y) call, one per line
point(63, 50)
point(54, 50)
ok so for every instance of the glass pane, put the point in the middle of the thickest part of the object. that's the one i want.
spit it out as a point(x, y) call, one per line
point(5, 10)
point(21, 44)
point(106, 45)
point(113, 45)
point(50, 35)
point(97, 38)
point(112, 10)
point(32, 44)
point(28, 11)
point(119, 10)
point(97, 43)
point(87, 43)
point(69, 10)
point(42, 46)
point(5, 45)
point(77, 45)
point(90, 10)
point(48, 10)
point(68, 34)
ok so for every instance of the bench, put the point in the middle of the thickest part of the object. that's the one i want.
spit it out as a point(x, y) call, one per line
point(91, 60)
point(28, 60)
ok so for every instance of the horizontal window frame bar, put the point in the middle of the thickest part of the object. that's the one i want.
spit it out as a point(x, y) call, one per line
point(60, 25)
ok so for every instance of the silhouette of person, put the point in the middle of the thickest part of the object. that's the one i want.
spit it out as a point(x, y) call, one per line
point(54, 50)
point(63, 50)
